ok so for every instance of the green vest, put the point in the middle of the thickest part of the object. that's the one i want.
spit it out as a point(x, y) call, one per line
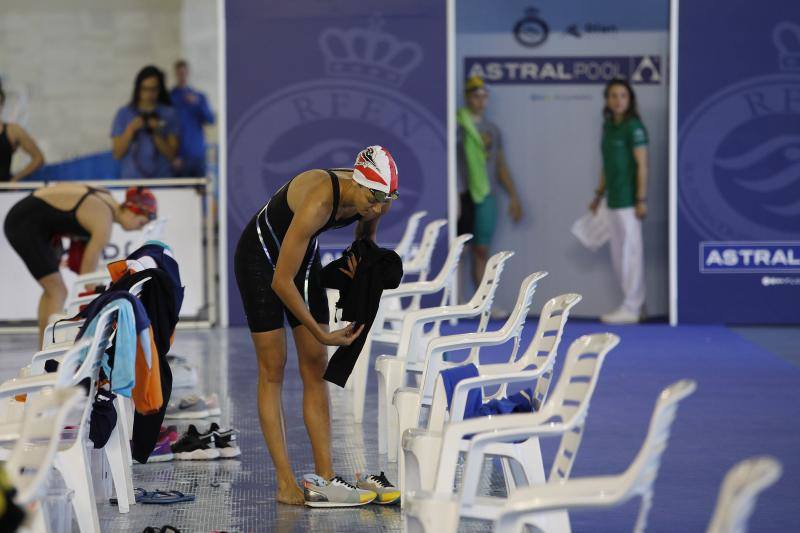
point(619, 165)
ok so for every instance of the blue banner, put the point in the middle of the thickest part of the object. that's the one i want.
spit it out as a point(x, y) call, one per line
point(739, 162)
point(309, 84)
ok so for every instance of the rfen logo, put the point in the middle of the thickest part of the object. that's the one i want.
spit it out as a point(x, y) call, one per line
point(749, 257)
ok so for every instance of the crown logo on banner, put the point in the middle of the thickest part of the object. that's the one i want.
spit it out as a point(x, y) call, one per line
point(786, 37)
point(368, 53)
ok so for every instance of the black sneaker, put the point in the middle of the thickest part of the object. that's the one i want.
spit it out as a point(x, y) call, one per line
point(193, 446)
point(225, 441)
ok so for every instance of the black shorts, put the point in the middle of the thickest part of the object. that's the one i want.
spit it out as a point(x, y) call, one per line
point(30, 240)
point(264, 309)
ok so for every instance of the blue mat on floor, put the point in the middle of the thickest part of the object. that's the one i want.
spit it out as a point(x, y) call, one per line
point(747, 403)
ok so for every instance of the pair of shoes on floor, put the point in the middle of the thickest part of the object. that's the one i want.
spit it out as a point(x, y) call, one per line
point(158, 497)
point(213, 444)
point(336, 492)
point(621, 316)
point(194, 406)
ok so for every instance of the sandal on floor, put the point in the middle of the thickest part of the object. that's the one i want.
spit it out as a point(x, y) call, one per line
point(166, 496)
point(139, 493)
point(164, 529)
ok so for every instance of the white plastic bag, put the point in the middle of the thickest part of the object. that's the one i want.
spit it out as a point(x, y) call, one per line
point(592, 228)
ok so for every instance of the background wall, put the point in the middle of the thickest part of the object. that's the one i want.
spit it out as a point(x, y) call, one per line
point(738, 172)
point(72, 64)
point(310, 83)
point(551, 131)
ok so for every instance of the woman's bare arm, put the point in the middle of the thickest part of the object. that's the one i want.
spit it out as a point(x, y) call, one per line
point(306, 221)
point(30, 147)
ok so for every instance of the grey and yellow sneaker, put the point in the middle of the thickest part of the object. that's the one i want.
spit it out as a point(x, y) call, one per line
point(336, 492)
point(386, 492)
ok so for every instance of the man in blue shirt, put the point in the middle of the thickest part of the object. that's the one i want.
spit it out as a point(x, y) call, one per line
point(144, 133)
point(193, 112)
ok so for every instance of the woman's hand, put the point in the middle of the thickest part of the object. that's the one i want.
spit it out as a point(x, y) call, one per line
point(595, 204)
point(641, 209)
point(515, 209)
point(342, 337)
point(352, 264)
point(136, 124)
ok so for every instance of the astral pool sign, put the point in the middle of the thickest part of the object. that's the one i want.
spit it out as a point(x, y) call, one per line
point(642, 70)
point(738, 164)
point(749, 257)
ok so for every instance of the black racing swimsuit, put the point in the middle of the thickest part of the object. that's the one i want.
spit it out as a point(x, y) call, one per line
point(257, 254)
point(31, 225)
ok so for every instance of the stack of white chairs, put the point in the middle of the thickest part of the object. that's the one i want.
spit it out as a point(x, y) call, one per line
point(513, 437)
point(531, 506)
point(30, 463)
point(80, 362)
point(442, 283)
point(409, 401)
point(391, 369)
point(543, 505)
point(534, 367)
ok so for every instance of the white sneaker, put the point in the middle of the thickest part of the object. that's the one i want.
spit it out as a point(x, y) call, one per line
point(620, 316)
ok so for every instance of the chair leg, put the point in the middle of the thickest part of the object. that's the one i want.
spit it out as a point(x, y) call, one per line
point(119, 462)
point(529, 455)
point(383, 423)
point(74, 467)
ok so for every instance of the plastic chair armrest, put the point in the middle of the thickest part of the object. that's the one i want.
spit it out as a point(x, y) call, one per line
point(27, 384)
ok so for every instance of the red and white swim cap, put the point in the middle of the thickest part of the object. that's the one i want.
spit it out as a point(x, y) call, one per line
point(375, 169)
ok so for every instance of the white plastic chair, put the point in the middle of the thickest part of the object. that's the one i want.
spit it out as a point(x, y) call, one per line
point(413, 339)
point(531, 505)
point(30, 463)
point(562, 415)
point(73, 461)
point(408, 401)
point(405, 247)
point(738, 493)
point(378, 333)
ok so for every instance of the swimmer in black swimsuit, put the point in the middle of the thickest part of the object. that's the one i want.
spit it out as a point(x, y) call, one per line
point(277, 266)
point(72, 210)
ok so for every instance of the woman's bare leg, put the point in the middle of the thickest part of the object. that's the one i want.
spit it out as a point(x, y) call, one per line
point(313, 358)
point(52, 299)
point(271, 352)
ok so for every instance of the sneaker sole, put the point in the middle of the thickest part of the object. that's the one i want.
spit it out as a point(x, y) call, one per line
point(388, 502)
point(198, 455)
point(161, 458)
point(215, 411)
point(188, 415)
point(228, 453)
point(335, 504)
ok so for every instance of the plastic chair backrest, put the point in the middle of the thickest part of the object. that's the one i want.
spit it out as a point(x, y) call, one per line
point(543, 349)
point(46, 413)
point(738, 493)
point(484, 295)
point(136, 288)
point(70, 367)
point(445, 276)
point(403, 248)
point(421, 262)
point(640, 476)
point(569, 402)
point(99, 343)
point(516, 320)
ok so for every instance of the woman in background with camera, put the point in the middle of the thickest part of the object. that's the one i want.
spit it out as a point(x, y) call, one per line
point(145, 132)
